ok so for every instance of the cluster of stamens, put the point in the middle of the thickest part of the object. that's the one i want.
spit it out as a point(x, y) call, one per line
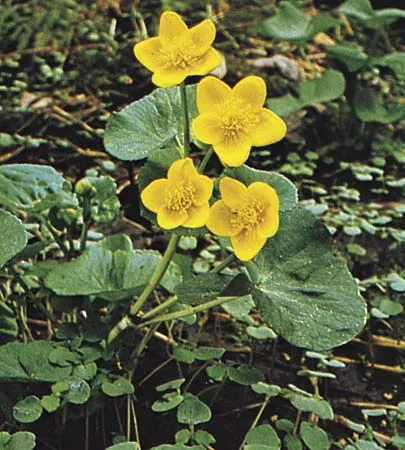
point(180, 53)
point(248, 216)
point(180, 197)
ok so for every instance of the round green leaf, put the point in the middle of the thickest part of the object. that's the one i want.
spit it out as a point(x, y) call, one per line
point(315, 405)
point(172, 384)
point(119, 387)
point(50, 403)
point(13, 237)
point(264, 437)
point(21, 440)
point(148, 124)
point(193, 411)
point(125, 446)
point(79, 391)
point(28, 410)
point(292, 442)
point(314, 437)
point(269, 390)
point(245, 375)
point(169, 401)
point(306, 293)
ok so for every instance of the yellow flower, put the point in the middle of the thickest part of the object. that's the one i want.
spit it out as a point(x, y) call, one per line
point(178, 52)
point(248, 215)
point(234, 120)
point(181, 198)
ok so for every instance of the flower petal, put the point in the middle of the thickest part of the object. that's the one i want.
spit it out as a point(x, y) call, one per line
point(233, 192)
point(220, 220)
point(204, 186)
point(169, 219)
point(207, 129)
point(234, 152)
point(211, 93)
point(149, 53)
point(264, 194)
point(271, 129)
point(182, 169)
point(153, 195)
point(269, 226)
point(203, 35)
point(251, 91)
point(197, 216)
point(247, 244)
point(206, 63)
point(171, 27)
point(169, 76)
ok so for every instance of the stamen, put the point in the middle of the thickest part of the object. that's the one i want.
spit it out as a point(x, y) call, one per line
point(248, 216)
point(180, 197)
point(181, 53)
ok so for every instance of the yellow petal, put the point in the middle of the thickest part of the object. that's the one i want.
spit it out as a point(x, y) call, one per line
point(271, 129)
point(220, 220)
point(207, 129)
point(251, 91)
point(206, 63)
point(153, 195)
point(171, 27)
point(169, 76)
point(234, 152)
point(203, 35)
point(204, 186)
point(233, 192)
point(211, 93)
point(264, 194)
point(169, 219)
point(269, 226)
point(182, 169)
point(149, 53)
point(197, 216)
point(247, 244)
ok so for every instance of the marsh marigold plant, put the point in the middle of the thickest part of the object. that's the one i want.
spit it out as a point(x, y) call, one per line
point(181, 198)
point(178, 51)
point(234, 120)
point(249, 215)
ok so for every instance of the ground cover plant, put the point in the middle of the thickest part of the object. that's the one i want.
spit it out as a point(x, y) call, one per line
point(201, 225)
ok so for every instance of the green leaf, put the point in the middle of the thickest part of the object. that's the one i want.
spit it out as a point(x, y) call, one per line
point(183, 436)
point(172, 384)
point(263, 437)
point(203, 288)
point(353, 57)
point(63, 357)
point(216, 372)
point(110, 272)
point(306, 294)
point(21, 440)
point(390, 307)
point(359, 9)
point(104, 205)
point(318, 406)
point(398, 441)
point(121, 386)
point(169, 401)
point(148, 124)
point(314, 437)
point(125, 446)
point(286, 190)
point(292, 442)
point(261, 333)
point(369, 107)
point(86, 371)
point(50, 403)
point(79, 391)
point(245, 375)
point(13, 237)
point(8, 322)
point(28, 410)
point(206, 353)
point(239, 308)
point(23, 185)
point(329, 86)
point(395, 61)
point(269, 390)
point(193, 411)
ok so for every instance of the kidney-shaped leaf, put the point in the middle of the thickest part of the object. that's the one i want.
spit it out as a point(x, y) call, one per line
point(148, 124)
point(13, 237)
point(110, 271)
point(307, 294)
point(24, 185)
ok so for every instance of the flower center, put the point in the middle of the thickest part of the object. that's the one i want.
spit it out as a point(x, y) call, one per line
point(180, 53)
point(180, 197)
point(248, 216)
point(236, 118)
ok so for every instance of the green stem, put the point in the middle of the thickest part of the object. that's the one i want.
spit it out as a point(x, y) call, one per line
point(205, 160)
point(225, 263)
point(186, 124)
point(256, 420)
point(55, 236)
point(160, 270)
point(160, 308)
point(188, 311)
point(86, 224)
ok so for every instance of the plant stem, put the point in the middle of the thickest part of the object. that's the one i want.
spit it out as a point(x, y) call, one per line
point(137, 439)
point(186, 124)
point(188, 311)
point(160, 308)
point(205, 160)
point(256, 420)
point(225, 263)
point(160, 270)
point(86, 223)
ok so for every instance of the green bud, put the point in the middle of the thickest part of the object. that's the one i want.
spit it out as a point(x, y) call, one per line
point(84, 188)
point(68, 215)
